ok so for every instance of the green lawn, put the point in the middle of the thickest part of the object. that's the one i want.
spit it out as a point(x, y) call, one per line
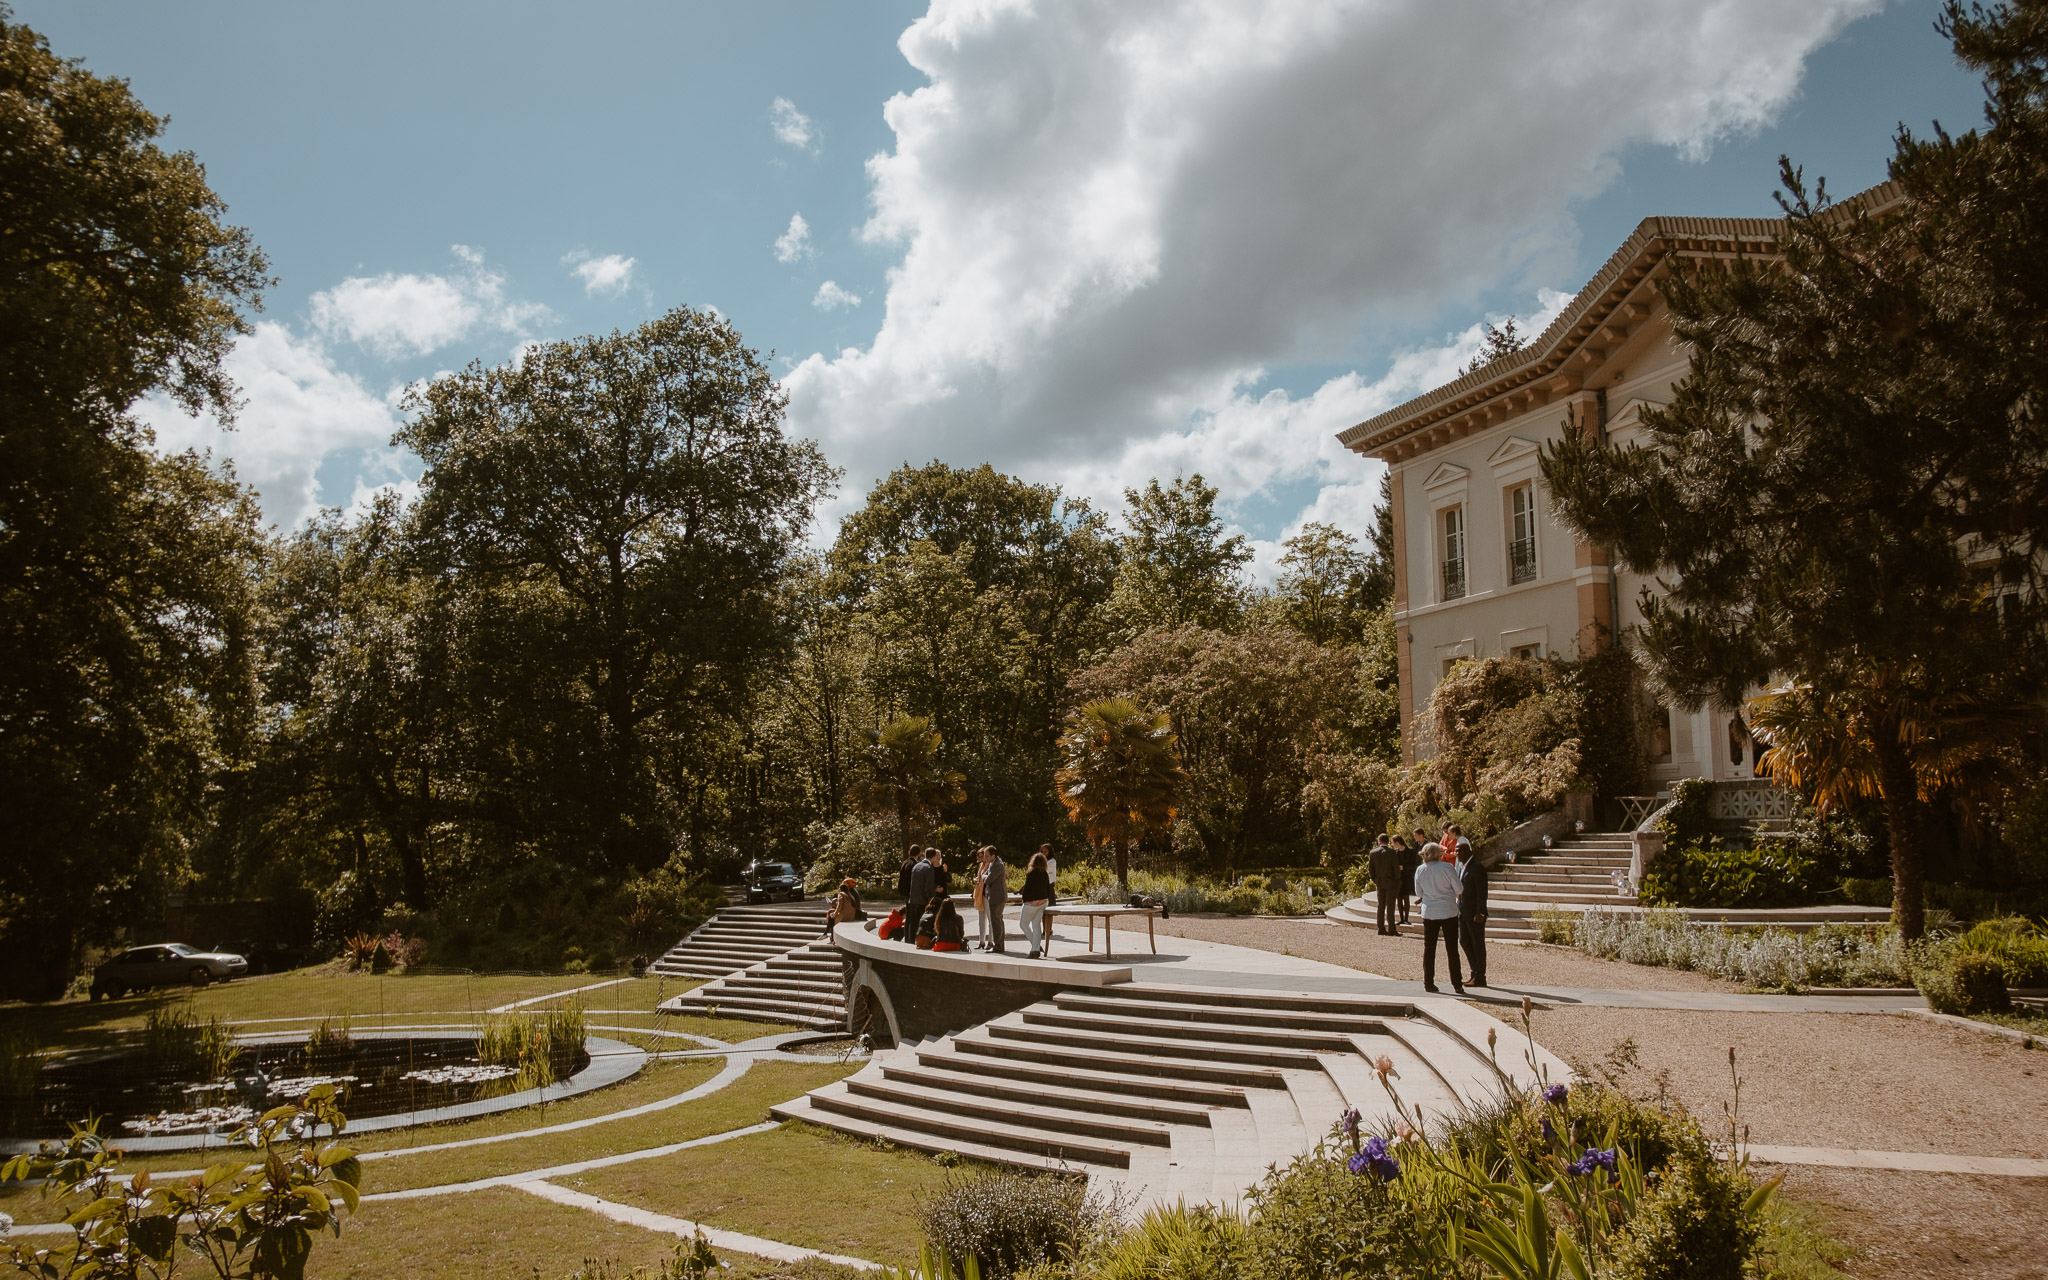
point(800, 1184)
point(505, 1235)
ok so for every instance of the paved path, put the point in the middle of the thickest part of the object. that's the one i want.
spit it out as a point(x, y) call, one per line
point(1908, 1161)
point(722, 1239)
point(1195, 962)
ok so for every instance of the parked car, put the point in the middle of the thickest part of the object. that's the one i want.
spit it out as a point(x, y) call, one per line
point(769, 881)
point(164, 964)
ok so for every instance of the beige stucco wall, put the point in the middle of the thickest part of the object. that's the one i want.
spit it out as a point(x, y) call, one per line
point(1571, 588)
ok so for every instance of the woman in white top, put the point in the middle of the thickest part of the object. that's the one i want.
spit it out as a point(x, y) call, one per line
point(1436, 883)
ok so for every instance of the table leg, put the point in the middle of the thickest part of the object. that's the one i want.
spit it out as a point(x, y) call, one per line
point(1150, 935)
point(1109, 937)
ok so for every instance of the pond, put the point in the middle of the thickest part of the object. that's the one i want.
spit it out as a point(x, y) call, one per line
point(377, 1076)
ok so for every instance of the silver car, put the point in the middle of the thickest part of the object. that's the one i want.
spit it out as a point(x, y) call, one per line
point(164, 964)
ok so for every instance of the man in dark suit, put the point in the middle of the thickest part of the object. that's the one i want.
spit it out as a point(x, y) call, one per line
point(1384, 865)
point(1471, 910)
point(924, 881)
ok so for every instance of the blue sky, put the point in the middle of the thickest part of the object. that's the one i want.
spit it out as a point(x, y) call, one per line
point(1089, 243)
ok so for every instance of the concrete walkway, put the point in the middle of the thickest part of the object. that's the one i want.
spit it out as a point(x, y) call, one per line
point(715, 1236)
point(1194, 962)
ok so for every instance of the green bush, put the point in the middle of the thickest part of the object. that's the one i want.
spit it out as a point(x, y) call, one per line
point(2018, 945)
point(1961, 982)
point(1693, 1226)
point(1685, 822)
point(1865, 892)
point(1180, 1243)
point(1556, 926)
point(1768, 875)
point(1008, 1222)
point(1315, 1218)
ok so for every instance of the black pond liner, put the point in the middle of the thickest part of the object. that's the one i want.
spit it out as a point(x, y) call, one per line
point(380, 1075)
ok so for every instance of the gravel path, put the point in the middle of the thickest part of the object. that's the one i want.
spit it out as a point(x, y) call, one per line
point(1931, 1226)
point(1401, 957)
point(1874, 1081)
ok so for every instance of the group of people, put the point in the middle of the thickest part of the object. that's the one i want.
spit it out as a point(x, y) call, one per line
point(930, 919)
point(1451, 882)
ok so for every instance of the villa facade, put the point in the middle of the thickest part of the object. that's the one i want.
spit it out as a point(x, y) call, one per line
point(1482, 567)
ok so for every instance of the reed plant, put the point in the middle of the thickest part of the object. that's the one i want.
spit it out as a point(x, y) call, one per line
point(177, 1040)
point(542, 1044)
point(329, 1042)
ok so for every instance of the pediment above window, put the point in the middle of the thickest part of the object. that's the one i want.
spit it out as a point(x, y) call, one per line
point(1512, 451)
point(1630, 416)
point(1447, 475)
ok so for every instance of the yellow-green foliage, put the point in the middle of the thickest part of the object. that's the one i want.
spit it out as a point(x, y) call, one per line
point(541, 1043)
point(174, 1039)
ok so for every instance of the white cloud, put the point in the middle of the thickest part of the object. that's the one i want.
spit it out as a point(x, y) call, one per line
point(792, 126)
point(298, 410)
point(794, 243)
point(831, 297)
point(610, 275)
point(397, 315)
point(1113, 218)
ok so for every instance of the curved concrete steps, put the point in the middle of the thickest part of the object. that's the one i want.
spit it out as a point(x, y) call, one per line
point(740, 937)
point(1178, 1093)
point(805, 985)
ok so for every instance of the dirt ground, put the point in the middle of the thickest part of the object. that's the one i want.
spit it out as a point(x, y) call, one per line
point(1884, 1082)
point(1508, 965)
point(1924, 1226)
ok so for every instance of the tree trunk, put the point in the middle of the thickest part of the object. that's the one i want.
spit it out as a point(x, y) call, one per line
point(1902, 816)
point(1123, 865)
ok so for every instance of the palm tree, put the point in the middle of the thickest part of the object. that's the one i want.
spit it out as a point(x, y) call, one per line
point(1881, 736)
point(905, 774)
point(1120, 773)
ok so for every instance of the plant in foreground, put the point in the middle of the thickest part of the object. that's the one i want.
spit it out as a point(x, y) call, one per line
point(237, 1220)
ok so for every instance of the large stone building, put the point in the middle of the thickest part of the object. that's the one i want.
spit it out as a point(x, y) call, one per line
point(1481, 565)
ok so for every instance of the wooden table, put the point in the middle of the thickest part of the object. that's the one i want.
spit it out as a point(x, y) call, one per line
point(1108, 915)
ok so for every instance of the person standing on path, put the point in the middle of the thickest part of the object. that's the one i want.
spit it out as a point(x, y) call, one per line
point(924, 880)
point(980, 902)
point(1037, 895)
point(1436, 883)
point(1472, 910)
point(1410, 859)
point(996, 892)
point(1384, 865)
point(1052, 870)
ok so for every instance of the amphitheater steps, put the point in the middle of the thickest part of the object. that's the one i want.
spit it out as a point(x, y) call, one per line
point(1176, 1093)
point(765, 964)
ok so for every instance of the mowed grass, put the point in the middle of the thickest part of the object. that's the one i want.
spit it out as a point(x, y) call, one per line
point(506, 1235)
point(799, 1184)
point(365, 999)
point(743, 1102)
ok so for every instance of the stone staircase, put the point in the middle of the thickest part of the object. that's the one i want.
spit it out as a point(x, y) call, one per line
point(805, 986)
point(740, 937)
point(1178, 1093)
point(1578, 874)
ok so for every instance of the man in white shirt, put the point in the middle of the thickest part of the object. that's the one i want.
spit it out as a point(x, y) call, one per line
point(1436, 883)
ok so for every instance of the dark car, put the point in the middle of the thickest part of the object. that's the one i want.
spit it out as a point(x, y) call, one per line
point(164, 964)
point(770, 881)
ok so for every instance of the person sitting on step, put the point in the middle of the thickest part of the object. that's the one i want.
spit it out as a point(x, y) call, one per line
point(949, 931)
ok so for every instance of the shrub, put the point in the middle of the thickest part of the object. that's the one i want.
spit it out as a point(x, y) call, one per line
point(1685, 822)
point(329, 1043)
point(404, 952)
point(1865, 892)
point(1768, 875)
point(1010, 1221)
point(692, 1260)
point(1833, 956)
point(1555, 926)
point(1180, 1243)
point(1962, 982)
point(2016, 943)
point(1694, 1225)
point(1316, 1218)
point(21, 1071)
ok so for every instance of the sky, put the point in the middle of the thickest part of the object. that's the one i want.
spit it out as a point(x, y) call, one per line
point(1087, 243)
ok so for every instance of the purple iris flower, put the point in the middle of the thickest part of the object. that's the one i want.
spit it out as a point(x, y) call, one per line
point(1350, 1123)
point(1555, 1094)
point(1549, 1132)
point(1374, 1156)
point(1595, 1158)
